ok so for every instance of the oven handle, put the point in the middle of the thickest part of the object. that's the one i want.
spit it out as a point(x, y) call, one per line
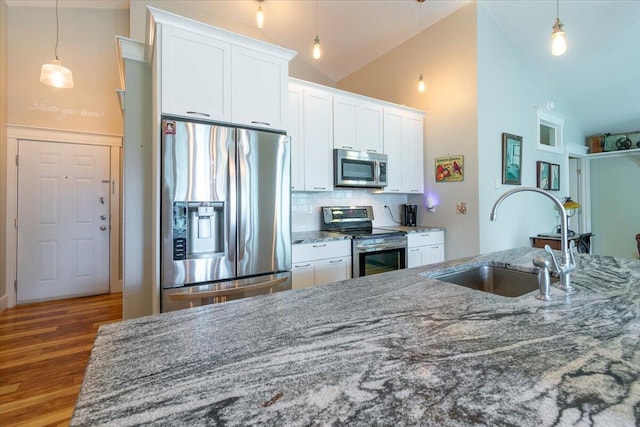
point(379, 246)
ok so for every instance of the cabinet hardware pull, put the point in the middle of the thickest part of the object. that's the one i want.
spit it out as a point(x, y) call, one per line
point(320, 246)
point(414, 250)
point(319, 188)
point(372, 151)
point(302, 266)
point(255, 122)
point(425, 235)
point(335, 261)
point(347, 146)
point(199, 113)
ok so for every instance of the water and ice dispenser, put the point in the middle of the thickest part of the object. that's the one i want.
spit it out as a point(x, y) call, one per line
point(197, 229)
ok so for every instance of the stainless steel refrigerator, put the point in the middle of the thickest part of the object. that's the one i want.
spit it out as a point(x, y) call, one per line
point(226, 213)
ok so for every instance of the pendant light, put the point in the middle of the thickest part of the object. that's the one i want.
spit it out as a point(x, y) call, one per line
point(558, 41)
point(260, 15)
point(316, 43)
point(421, 85)
point(55, 74)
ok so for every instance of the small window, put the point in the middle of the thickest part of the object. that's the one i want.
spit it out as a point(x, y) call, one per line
point(549, 131)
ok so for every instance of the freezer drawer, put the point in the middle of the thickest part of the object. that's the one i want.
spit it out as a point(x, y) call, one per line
point(219, 292)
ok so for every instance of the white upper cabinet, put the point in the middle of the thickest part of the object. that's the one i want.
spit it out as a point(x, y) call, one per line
point(393, 119)
point(357, 124)
point(196, 75)
point(318, 140)
point(258, 89)
point(322, 118)
point(403, 142)
point(296, 135)
point(201, 71)
point(412, 149)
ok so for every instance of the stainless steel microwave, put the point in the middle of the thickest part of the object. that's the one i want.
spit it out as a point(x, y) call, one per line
point(359, 169)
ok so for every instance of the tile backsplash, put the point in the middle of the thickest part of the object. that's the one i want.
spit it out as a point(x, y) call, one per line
point(305, 207)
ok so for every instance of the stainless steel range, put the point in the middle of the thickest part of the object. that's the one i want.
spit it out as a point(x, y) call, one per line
point(374, 250)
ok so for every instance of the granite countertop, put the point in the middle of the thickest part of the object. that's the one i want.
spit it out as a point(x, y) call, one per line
point(396, 348)
point(300, 237)
point(416, 229)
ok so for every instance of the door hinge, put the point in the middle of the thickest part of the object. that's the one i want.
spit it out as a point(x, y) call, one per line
point(578, 171)
point(16, 159)
point(15, 286)
point(15, 223)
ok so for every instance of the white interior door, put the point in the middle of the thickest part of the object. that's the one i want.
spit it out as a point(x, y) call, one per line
point(63, 220)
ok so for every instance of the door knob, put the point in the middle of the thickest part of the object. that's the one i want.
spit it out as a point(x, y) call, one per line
point(103, 227)
point(103, 217)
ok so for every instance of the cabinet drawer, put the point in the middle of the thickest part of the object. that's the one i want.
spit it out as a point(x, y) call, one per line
point(425, 238)
point(320, 250)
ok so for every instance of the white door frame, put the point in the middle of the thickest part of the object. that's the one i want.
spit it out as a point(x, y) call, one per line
point(580, 152)
point(17, 133)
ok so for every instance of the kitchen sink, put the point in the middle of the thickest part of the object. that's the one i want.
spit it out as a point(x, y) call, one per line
point(495, 280)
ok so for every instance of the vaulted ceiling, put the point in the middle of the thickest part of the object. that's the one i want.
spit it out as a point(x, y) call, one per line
point(598, 76)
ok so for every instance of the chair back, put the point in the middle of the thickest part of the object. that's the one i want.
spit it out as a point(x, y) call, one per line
point(584, 243)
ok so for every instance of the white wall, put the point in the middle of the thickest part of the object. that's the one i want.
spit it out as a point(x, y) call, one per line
point(446, 55)
point(137, 203)
point(305, 207)
point(86, 47)
point(615, 217)
point(508, 91)
point(3, 150)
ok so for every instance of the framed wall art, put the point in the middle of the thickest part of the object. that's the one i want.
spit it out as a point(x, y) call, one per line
point(511, 159)
point(450, 169)
point(554, 177)
point(542, 175)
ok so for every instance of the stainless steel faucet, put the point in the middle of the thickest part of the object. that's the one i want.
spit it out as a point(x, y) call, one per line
point(567, 262)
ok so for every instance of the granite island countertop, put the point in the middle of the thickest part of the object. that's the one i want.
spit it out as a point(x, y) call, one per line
point(397, 348)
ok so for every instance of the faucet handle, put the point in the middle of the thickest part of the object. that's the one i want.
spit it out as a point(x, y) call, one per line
point(572, 258)
point(548, 250)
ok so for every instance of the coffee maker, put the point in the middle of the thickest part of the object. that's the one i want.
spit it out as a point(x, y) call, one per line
point(410, 214)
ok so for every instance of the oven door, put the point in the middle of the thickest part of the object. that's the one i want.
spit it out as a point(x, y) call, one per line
point(379, 255)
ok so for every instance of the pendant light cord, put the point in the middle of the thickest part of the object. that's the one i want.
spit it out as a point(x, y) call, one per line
point(57, 32)
point(316, 18)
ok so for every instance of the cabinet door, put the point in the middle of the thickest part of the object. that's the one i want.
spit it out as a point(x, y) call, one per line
point(318, 140)
point(296, 134)
point(370, 134)
point(414, 258)
point(332, 270)
point(413, 163)
point(393, 148)
point(195, 76)
point(303, 275)
point(432, 254)
point(259, 89)
point(345, 123)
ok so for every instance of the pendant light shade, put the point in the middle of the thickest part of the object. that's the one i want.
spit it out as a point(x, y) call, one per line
point(317, 53)
point(55, 74)
point(260, 15)
point(316, 43)
point(558, 40)
point(421, 86)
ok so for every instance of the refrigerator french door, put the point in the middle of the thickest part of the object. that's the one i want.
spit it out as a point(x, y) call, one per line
point(226, 214)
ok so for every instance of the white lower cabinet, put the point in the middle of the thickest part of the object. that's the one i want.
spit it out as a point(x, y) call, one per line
point(425, 248)
point(323, 262)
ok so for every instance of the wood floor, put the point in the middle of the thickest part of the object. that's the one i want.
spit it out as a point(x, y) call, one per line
point(44, 351)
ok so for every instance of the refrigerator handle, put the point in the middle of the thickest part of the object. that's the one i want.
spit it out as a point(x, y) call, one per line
point(243, 205)
point(232, 198)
